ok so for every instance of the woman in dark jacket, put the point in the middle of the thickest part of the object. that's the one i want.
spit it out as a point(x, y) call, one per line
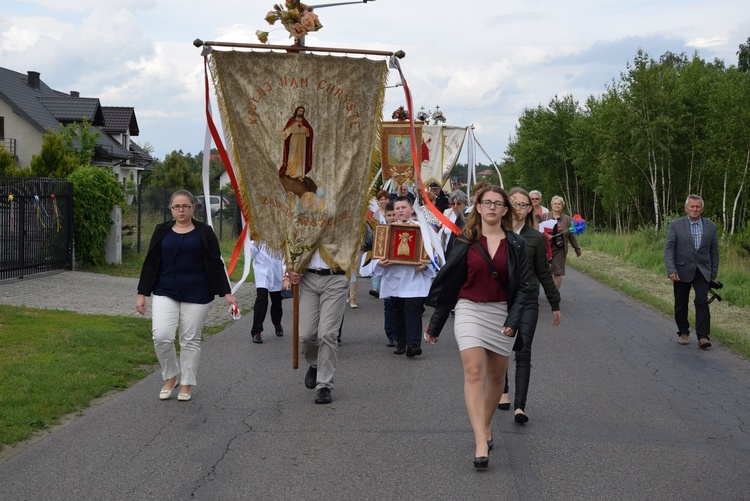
point(539, 272)
point(488, 300)
point(184, 271)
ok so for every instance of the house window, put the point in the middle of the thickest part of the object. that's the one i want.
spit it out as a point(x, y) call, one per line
point(2, 128)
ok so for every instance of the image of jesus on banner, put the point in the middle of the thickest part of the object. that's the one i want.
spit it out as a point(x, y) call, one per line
point(298, 141)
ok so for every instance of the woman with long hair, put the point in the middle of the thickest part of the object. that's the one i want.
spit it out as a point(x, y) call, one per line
point(536, 249)
point(484, 279)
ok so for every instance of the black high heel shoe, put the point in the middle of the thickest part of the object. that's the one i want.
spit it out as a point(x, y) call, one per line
point(504, 406)
point(481, 462)
point(490, 444)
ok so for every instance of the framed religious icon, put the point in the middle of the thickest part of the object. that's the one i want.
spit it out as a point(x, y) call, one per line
point(396, 152)
point(399, 243)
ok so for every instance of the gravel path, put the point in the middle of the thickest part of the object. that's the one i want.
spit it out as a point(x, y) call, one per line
point(92, 293)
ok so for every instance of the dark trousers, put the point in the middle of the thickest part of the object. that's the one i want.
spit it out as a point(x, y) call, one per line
point(522, 347)
point(261, 307)
point(388, 323)
point(702, 313)
point(407, 315)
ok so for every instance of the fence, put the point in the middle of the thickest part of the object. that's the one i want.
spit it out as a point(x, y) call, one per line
point(36, 226)
point(150, 206)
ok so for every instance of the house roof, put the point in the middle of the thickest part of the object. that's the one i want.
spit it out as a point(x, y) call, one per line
point(24, 99)
point(45, 108)
point(69, 109)
point(119, 120)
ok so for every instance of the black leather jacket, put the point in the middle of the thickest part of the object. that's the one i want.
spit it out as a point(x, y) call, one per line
point(217, 275)
point(443, 294)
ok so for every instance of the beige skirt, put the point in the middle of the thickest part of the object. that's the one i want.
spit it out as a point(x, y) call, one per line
point(478, 325)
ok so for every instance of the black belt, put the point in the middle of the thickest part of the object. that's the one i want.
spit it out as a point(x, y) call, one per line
point(326, 272)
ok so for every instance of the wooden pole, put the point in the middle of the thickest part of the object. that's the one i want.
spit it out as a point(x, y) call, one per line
point(297, 48)
point(295, 326)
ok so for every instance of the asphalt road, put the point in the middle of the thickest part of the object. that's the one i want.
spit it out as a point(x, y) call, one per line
point(618, 411)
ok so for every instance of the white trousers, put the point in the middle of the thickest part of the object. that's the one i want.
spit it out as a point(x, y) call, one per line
point(167, 315)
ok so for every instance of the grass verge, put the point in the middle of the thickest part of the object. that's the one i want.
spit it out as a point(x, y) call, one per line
point(55, 362)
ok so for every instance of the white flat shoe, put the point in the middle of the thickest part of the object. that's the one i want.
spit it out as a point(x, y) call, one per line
point(167, 394)
point(353, 305)
point(184, 397)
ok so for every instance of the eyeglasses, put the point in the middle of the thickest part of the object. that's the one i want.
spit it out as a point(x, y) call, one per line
point(522, 205)
point(490, 203)
point(532, 198)
point(457, 203)
point(182, 207)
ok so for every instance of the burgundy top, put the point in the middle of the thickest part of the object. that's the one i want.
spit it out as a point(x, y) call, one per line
point(480, 287)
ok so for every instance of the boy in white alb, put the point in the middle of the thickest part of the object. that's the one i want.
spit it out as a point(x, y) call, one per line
point(406, 285)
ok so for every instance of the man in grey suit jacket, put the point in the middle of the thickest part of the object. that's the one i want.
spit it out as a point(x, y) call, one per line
point(691, 254)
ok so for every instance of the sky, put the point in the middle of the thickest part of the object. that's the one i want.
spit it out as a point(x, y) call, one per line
point(483, 62)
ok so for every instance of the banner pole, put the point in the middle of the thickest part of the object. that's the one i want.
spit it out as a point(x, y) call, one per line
point(295, 326)
point(296, 48)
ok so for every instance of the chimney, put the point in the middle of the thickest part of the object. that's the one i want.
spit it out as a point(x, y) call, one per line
point(33, 80)
point(75, 93)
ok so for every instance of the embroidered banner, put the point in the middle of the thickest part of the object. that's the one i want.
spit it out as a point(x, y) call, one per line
point(432, 163)
point(396, 151)
point(301, 130)
point(453, 141)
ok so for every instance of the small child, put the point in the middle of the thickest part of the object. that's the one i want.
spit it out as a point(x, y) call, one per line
point(406, 286)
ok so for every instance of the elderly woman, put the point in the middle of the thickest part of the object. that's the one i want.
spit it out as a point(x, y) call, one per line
point(457, 200)
point(559, 238)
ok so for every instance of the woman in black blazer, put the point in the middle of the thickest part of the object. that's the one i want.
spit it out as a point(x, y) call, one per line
point(184, 271)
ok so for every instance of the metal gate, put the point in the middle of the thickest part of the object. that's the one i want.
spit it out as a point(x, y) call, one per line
point(36, 226)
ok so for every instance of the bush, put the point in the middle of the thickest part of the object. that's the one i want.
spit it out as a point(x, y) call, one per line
point(95, 192)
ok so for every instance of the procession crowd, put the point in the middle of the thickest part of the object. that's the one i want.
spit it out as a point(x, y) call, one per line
point(492, 251)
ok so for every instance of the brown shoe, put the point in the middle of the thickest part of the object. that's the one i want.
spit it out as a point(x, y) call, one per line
point(704, 343)
point(683, 339)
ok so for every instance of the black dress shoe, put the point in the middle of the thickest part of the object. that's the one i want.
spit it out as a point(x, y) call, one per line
point(521, 418)
point(481, 462)
point(413, 352)
point(400, 349)
point(374, 293)
point(311, 378)
point(391, 343)
point(279, 331)
point(324, 396)
point(257, 339)
point(504, 406)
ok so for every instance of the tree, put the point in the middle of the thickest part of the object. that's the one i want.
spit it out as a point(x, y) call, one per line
point(176, 171)
point(80, 140)
point(743, 56)
point(54, 160)
point(7, 162)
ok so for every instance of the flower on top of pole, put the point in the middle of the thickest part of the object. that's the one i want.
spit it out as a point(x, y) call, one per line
point(400, 114)
point(437, 116)
point(296, 17)
point(422, 115)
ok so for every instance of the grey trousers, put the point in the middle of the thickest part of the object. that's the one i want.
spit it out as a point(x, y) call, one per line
point(322, 301)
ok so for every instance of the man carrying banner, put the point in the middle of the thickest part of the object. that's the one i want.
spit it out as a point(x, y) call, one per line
point(322, 301)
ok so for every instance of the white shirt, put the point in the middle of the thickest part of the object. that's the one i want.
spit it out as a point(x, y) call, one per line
point(403, 280)
point(268, 271)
